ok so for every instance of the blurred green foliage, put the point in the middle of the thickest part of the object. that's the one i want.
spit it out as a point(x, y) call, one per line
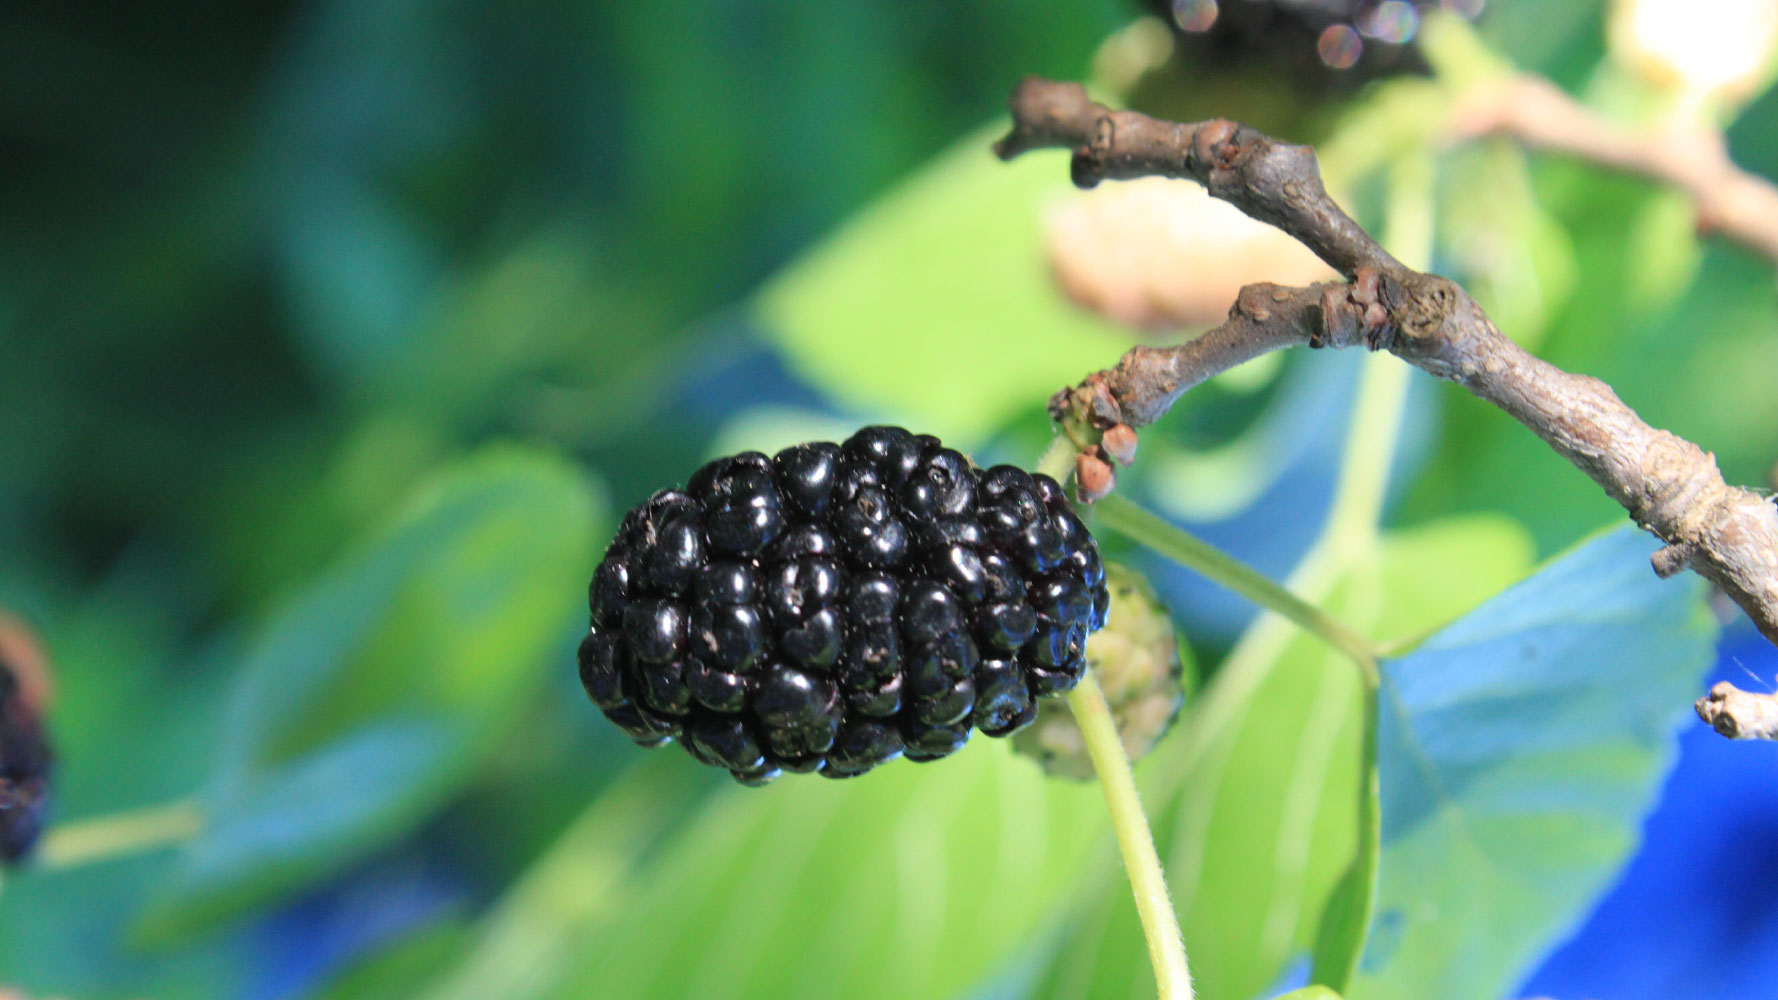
point(334, 335)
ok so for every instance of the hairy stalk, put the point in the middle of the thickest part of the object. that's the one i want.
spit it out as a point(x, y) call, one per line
point(1058, 459)
point(1163, 537)
point(1349, 535)
point(119, 834)
point(1148, 882)
point(1135, 839)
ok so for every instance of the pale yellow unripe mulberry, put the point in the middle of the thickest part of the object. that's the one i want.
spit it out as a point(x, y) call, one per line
point(1137, 660)
point(1160, 254)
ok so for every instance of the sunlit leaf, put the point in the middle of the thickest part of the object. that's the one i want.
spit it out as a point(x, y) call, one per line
point(537, 934)
point(935, 302)
point(1259, 831)
point(915, 880)
point(1267, 824)
point(1518, 749)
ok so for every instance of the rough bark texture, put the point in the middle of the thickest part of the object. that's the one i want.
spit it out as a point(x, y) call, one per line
point(1738, 714)
point(1670, 486)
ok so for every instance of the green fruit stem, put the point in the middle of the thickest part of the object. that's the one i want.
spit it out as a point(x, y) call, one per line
point(1135, 839)
point(1175, 543)
point(1148, 882)
point(1058, 459)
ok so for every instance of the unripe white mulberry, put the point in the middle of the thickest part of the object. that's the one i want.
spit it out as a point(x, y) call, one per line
point(1137, 660)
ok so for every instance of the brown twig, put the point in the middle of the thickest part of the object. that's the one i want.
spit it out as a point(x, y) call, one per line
point(1670, 486)
point(1728, 200)
point(1738, 714)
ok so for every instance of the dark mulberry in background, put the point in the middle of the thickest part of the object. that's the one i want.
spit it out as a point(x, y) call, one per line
point(835, 606)
point(24, 769)
point(1311, 44)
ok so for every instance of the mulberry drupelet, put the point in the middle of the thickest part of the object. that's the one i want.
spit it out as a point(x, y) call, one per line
point(835, 606)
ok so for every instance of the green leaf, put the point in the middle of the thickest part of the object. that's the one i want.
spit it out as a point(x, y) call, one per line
point(1263, 825)
point(380, 690)
point(1497, 551)
point(394, 970)
point(934, 306)
point(914, 881)
point(273, 836)
point(1310, 993)
point(1519, 749)
point(1267, 822)
point(1346, 919)
point(533, 938)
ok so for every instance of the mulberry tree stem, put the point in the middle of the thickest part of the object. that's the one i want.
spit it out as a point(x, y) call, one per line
point(1742, 206)
point(1186, 549)
point(1668, 485)
point(1135, 838)
point(1738, 714)
point(1148, 882)
point(1058, 459)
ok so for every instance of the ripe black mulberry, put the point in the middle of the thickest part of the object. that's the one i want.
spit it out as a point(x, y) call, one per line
point(835, 606)
point(25, 758)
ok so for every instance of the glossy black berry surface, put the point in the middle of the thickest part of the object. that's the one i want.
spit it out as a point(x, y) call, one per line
point(835, 606)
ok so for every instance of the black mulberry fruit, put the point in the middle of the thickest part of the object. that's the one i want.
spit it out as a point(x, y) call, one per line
point(24, 752)
point(1312, 44)
point(835, 606)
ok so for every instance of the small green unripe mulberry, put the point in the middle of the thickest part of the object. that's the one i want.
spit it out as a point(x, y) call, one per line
point(1137, 660)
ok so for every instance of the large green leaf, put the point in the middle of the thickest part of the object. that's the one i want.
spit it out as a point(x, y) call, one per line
point(381, 688)
point(1262, 826)
point(536, 935)
point(914, 881)
point(1519, 749)
point(293, 822)
point(935, 304)
point(1267, 823)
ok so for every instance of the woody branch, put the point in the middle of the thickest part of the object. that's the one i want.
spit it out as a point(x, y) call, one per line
point(1670, 486)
